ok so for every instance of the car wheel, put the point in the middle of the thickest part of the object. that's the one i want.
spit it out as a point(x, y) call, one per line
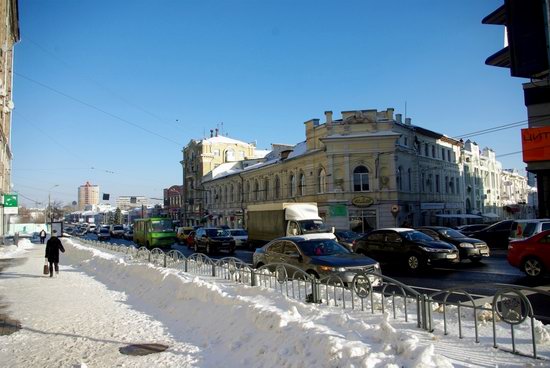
point(414, 262)
point(533, 267)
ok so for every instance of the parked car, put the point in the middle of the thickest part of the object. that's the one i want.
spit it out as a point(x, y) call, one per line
point(128, 234)
point(240, 236)
point(522, 229)
point(468, 248)
point(411, 248)
point(495, 235)
point(104, 234)
point(531, 255)
point(347, 238)
point(471, 228)
point(117, 231)
point(213, 239)
point(190, 240)
point(91, 228)
point(182, 233)
point(318, 257)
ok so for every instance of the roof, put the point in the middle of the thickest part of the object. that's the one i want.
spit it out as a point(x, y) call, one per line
point(222, 139)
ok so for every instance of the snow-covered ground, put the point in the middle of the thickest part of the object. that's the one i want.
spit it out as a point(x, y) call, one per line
point(101, 302)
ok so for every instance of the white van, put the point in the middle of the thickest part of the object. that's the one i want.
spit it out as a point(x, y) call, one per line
point(522, 229)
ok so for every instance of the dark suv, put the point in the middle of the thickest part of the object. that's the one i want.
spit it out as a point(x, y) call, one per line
point(213, 239)
point(496, 235)
point(409, 247)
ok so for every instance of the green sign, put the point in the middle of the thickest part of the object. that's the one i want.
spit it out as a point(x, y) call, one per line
point(338, 210)
point(10, 200)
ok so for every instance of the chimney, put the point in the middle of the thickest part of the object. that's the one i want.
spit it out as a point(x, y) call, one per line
point(398, 118)
point(217, 132)
point(328, 116)
point(408, 121)
point(211, 133)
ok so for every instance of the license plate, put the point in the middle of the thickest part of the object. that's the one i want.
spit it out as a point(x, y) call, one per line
point(451, 256)
point(484, 251)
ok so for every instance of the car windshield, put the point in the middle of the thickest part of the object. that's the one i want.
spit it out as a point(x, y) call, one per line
point(118, 227)
point(321, 247)
point(217, 232)
point(238, 233)
point(104, 230)
point(451, 233)
point(162, 225)
point(416, 236)
point(313, 226)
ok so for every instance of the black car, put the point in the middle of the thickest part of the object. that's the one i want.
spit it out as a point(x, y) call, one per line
point(411, 248)
point(318, 257)
point(496, 235)
point(104, 234)
point(468, 248)
point(466, 229)
point(347, 238)
point(213, 239)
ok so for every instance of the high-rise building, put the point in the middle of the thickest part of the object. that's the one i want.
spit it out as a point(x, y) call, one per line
point(88, 194)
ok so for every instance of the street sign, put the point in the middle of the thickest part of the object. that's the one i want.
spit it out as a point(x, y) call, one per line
point(10, 200)
point(394, 208)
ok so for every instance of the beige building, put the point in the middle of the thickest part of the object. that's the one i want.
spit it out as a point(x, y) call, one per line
point(88, 194)
point(9, 35)
point(357, 169)
point(129, 202)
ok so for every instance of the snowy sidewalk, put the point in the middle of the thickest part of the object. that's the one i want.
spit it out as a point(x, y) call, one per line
point(99, 303)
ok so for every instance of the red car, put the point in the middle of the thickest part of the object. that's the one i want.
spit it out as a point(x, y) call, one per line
point(531, 255)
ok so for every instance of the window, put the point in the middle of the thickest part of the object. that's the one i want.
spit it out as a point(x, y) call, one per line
point(292, 185)
point(302, 184)
point(437, 184)
point(276, 247)
point(446, 184)
point(449, 155)
point(398, 178)
point(423, 180)
point(406, 142)
point(457, 186)
point(360, 179)
point(216, 152)
point(443, 153)
point(426, 150)
point(256, 190)
point(229, 155)
point(321, 181)
point(266, 188)
point(231, 193)
point(433, 151)
point(277, 190)
point(409, 179)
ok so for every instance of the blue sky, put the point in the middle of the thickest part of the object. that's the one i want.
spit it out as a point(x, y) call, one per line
point(110, 91)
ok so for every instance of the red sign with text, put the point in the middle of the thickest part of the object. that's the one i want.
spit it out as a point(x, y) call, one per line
point(536, 144)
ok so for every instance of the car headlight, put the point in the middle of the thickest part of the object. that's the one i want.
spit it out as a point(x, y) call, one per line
point(432, 250)
point(466, 245)
point(331, 269)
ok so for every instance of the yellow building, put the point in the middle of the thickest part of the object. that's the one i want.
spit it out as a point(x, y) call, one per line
point(367, 170)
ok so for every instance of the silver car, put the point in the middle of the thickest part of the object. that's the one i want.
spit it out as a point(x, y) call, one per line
point(319, 257)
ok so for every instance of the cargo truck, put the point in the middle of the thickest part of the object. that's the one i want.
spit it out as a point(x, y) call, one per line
point(266, 222)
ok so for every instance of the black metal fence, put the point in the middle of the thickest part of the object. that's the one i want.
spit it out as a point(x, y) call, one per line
point(507, 309)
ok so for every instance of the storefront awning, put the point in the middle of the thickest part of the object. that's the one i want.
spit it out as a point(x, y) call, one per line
point(459, 215)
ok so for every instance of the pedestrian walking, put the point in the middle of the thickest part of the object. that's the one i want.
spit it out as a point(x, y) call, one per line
point(53, 246)
point(42, 236)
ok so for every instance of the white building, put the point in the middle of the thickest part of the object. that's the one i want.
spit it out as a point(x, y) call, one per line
point(129, 202)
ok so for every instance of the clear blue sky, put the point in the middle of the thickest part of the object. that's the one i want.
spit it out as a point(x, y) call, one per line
point(110, 91)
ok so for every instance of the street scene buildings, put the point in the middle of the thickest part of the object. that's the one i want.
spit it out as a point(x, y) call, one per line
point(365, 170)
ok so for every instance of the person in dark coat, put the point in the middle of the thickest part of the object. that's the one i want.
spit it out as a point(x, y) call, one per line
point(42, 236)
point(53, 246)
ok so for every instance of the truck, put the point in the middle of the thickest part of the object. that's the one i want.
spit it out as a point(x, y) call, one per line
point(266, 222)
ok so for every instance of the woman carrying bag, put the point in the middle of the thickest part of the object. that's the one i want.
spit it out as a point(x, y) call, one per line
point(53, 246)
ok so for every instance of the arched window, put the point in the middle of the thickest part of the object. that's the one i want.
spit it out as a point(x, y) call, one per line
point(321, 181)
point(256, 190)
point(277, 189)
point(399, 178)
point(360, 179)
point(229, 155)
point(266, 189)
point(302, 185)
point(292, 186)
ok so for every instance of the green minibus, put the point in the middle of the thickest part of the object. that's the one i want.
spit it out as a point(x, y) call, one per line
point(154, 232)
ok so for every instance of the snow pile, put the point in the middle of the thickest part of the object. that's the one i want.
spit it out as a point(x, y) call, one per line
point(12, 251)
point(83, 321)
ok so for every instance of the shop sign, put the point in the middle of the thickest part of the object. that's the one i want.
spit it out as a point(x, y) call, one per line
point(338, 210)
point(362, 201)
point(536, 144)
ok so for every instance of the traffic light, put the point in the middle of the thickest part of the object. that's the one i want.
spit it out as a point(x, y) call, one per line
point(527, 51)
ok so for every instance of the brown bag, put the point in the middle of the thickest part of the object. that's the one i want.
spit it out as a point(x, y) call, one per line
point(46, 268)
